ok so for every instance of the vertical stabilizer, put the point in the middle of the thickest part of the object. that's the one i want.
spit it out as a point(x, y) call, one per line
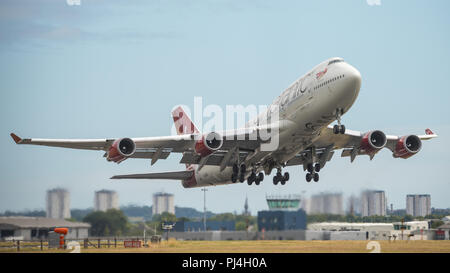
point(183, 123)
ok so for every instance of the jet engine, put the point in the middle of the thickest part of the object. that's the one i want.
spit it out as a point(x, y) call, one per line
point(407, 146)
point(121, 149)
point(209, 143)
point(373, 141)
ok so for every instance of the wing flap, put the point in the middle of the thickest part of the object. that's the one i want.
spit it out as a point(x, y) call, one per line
point(177, 175)
point(214, 159)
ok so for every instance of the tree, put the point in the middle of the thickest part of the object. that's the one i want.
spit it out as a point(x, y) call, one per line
point(112, 222)
point(436, 224)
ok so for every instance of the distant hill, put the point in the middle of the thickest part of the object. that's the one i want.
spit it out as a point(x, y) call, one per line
point(146, 212)
point(132, 211)
point(137, 211)
point(34, 213)
point(191, 213)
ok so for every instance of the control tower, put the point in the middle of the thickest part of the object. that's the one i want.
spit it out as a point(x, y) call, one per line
point(285, 203)
point(284, 214)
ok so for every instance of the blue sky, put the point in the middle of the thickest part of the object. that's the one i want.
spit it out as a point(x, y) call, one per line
point(117, 68)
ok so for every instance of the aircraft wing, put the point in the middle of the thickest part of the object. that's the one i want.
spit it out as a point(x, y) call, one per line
point(87, 144)
point(178, 175)
point(155, 148)
point(351, 142)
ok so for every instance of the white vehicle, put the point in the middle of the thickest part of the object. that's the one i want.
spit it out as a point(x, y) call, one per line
point(305, 137)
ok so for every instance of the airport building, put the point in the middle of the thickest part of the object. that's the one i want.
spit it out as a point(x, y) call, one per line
point(210, 226)
point(337, 226)
point(163, 202)
point(373, 203)
point(31, 228)
point(418, 204)
point(105, 200)
point(414, 230)
point(284, 214)
point(58, 204)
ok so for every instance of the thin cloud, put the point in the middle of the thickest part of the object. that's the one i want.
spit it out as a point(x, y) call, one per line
point(374, 2)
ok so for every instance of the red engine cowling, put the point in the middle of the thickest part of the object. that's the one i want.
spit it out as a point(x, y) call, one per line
point(373, 141)
point(407, 146)
point(208, 144)
point(121, 149)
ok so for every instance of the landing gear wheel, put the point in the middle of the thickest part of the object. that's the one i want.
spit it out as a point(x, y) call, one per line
point(242, 177)
point(260, 177)
point(233, 178)
point(308, 177)
point(339, 129)
point(243, 168)
point(317, 168)
point(257, 181)
point(285, 177)
point(252, 177)
point(316, 177)
point(235, 169)
point(283, 182)
point(310, 167)
point(249, 182)
point(275, 180)
point(336, 129)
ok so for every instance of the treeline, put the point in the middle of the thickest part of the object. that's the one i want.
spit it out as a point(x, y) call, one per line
point(242, 222)
point(33, 213)
point(115, 223)
point(144, 212)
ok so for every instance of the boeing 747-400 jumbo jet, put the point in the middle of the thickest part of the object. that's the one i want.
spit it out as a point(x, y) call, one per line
point(304, 136)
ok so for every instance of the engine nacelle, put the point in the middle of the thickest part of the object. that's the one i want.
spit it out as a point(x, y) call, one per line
point(373, 141)
point(407, 146)
point(121, 149)
point(209, 143)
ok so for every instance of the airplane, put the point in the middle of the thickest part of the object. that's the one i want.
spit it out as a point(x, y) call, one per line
point(305, 112)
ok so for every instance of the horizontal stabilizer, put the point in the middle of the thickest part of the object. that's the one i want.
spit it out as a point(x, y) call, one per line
point(428, 135)
point(179, 175)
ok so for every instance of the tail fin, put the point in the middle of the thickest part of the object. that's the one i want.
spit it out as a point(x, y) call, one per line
point(183, 123)
point(429, 132)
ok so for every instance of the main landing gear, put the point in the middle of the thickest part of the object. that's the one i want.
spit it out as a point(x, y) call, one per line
point(239, 174)
point(279, 178)
point(257, 178)
point(339, 128)
point(313, 172)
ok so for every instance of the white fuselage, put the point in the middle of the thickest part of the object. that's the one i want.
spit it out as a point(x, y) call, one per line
point(305, 108)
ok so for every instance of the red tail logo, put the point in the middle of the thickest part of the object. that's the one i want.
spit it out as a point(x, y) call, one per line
point(183, 123)
point(429, 132)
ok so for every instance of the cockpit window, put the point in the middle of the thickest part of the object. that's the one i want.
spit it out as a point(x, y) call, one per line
point(335, 61)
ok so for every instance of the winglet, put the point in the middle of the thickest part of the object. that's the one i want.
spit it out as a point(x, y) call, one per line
point(16, 139)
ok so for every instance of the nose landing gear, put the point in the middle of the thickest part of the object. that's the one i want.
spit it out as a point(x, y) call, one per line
point(339, 128)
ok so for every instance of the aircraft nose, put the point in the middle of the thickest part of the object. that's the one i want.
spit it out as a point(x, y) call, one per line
point(354, 78)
